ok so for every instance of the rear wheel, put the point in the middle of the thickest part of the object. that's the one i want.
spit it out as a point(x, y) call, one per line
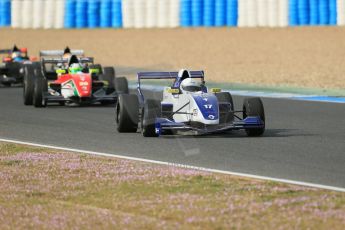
point(121, 85)
point(127, 113)
point(226, 114)
point(28, 84)
point(151, 110)
point(39, 89)
point(254, 107)
point(108, 76)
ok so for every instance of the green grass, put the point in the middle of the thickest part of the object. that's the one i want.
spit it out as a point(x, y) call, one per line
point(43, 189)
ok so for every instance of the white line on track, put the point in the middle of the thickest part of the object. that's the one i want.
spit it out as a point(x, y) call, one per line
point(319, 186)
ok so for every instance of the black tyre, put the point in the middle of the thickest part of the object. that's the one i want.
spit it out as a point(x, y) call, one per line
point(7, 84)
point(108, 75)
point(28, 84)
point(226, 114)
point(127, 113)
point(121, 85)
point(39, 89)
point(254, 107)
point(151, 110)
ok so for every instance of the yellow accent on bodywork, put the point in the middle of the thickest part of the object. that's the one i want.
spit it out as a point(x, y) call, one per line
point(94, 70)
point(215, 90)
point(170, 90)
point(60, 71)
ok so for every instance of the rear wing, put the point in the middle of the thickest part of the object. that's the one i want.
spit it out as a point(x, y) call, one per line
point(60, 52)
point(65, 60)
point(6, 51)
point(168, 75)
point(164, 75)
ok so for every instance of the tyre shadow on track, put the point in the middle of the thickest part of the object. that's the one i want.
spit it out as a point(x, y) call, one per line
point(14, 86)
point(242, 134)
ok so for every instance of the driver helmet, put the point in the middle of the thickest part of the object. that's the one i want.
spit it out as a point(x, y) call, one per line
point(75, 68)
point(15, 54)
point(24, 52)
point(190, 85)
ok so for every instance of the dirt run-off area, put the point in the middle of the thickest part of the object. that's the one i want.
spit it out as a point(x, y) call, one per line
point(303, 57)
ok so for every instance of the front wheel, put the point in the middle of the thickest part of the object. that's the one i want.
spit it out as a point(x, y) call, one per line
point(127, 113)
point(39, 89)
point(226, 107)
point(28, 84)
point(254, 107)
point(151, 110)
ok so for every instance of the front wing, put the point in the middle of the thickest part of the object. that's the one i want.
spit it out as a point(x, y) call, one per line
point(95, 97)
point(162, 124)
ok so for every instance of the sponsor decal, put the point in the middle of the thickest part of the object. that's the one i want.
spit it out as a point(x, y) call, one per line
point(83, 83)
point(195, 112)
point(209, 107)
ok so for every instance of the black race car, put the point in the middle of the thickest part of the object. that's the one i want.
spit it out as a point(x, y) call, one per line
point(12, 65)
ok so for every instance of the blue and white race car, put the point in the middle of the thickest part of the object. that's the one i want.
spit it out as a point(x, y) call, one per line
point(187, 106)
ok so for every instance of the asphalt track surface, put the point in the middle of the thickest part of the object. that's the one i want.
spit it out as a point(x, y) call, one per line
point(304, 141)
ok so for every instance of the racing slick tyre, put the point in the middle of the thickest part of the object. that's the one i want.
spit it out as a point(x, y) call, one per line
point(127, 113)
point(151, 110)
point(108, 75)
point(7, 84)
point(226, 114)
point(39, 89)
point(28, 84)
point(121, 85)
point(254, 107)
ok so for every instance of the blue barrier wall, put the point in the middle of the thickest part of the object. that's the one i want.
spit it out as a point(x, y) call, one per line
point(81, 14)
point(5, 12)
point(185, 13)
point(293, 13)
point(314, 12)
point(208, 13)
point(105, 13)
point(231, 12)
point(324, 12)
point(303, 12)
point(220, 12)
point(116, 16)
point(93, 13)
point(197, 12)
point(333, 12)
point(70, 6)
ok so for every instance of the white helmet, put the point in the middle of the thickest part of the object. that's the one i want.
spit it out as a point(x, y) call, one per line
point(190, 85)
point(183, 73)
